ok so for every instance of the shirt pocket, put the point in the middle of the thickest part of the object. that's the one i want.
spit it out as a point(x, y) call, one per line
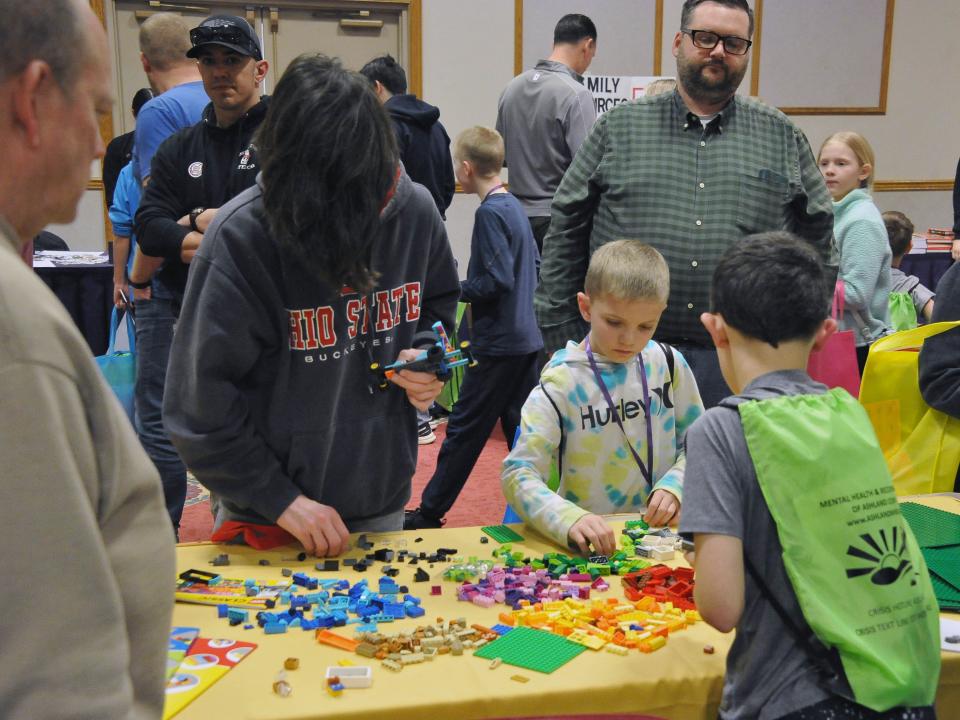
point(761, 202)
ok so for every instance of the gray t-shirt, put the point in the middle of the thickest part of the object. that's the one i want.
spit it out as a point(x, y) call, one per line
point(768, 673)
point(919, 293)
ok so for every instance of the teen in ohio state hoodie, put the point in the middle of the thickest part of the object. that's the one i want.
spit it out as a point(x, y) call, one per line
point(269, 391)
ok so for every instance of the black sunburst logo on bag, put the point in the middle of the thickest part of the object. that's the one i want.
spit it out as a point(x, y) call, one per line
point(886, 554)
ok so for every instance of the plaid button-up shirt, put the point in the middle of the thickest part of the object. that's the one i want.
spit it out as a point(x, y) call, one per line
point(650, 171)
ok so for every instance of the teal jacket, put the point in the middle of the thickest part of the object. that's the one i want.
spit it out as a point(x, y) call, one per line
point(864, 250)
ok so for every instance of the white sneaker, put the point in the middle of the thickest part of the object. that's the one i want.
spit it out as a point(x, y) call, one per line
point(425, 434)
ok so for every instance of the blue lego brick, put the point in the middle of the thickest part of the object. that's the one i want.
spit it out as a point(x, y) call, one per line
point(367, 627)
point(238, 614)
point(501, 629)
point(339, 618)
point(381, 617)
point(413, 611)
point(411, 599)
point(394, 610)
point(274, 628)
point(222, 609)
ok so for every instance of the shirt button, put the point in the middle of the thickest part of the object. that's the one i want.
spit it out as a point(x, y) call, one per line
point(703, 143)
point(694, 263)
point(701, 185)
point(699, 222)
point(689, 306)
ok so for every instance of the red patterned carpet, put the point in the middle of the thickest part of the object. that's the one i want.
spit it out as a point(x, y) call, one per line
point(480, 503)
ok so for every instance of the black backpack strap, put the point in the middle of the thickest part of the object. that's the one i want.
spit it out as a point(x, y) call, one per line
point(667, 350)
point(826, 660)
point(560, 423)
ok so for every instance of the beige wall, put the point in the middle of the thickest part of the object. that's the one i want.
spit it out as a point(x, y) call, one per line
point(468, 50)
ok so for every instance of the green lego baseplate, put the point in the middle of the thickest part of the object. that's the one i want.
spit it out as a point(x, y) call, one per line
point(945, 563)
point(948, 597)
point(531, 649)
point(932, 527)
point(502, 534)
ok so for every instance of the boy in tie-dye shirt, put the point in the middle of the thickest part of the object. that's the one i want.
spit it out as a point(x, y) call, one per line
point(610, 412)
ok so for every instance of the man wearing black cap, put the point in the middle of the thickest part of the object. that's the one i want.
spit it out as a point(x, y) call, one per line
point(193, 173)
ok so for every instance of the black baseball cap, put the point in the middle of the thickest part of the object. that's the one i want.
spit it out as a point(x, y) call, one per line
point(228, 31)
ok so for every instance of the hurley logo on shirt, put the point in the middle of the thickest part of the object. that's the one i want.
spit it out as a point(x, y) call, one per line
point(314, 328)
point(626, 410)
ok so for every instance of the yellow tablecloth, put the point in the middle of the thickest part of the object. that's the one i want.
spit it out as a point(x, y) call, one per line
point(679, 682)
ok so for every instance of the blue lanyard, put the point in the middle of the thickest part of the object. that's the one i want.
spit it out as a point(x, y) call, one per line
point(645, 470)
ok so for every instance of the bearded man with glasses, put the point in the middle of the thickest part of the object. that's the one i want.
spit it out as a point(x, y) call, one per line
point(688, 172)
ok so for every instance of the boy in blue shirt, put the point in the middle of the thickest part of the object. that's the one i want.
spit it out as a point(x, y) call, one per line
point(772, 495)
point(501, 279)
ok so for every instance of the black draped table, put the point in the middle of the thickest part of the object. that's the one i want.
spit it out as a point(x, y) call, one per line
point(85, 289)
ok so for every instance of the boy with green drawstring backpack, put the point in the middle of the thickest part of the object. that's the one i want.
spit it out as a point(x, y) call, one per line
point(800, 544)
point(909, 298)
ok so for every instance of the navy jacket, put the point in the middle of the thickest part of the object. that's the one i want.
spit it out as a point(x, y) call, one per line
point(424, 147)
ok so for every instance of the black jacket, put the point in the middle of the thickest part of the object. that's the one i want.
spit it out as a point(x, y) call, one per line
point(199, 166)
point(424, 147)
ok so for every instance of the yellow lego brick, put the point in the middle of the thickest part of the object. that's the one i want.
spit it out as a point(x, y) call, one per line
point(586, 639)
point(616, 649)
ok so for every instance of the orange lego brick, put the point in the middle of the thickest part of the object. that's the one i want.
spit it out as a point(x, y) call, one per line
point(339, 641)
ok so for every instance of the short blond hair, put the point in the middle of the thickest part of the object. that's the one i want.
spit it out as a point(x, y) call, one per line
point(628, 270)
point(659, 87)
point(861, 150)
point(165, 40)
point(482, 147)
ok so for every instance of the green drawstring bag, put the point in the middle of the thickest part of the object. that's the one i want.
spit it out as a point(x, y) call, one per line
point(903, 313)
point(851, 558)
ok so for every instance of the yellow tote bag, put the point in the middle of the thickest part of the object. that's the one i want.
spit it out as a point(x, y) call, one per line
point(921, 445)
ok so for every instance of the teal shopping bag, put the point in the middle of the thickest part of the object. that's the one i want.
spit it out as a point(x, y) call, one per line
point(119, 367)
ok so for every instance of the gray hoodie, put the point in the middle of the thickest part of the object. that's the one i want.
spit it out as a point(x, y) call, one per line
point(269, 392)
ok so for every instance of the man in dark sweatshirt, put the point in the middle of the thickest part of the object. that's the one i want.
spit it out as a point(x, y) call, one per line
point(423, 141)
point(193, 173)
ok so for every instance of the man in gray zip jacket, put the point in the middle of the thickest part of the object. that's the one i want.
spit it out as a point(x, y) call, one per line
point(544, 115)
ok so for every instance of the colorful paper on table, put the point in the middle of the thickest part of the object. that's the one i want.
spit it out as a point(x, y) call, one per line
point(229, 591)
point(205, 663)
point(181, 638)
point(531, 649)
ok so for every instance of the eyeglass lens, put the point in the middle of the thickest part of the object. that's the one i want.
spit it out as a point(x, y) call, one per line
point(706, 40)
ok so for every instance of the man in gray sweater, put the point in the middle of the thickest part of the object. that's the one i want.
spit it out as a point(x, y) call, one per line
point(87, 548)
point(544, 114)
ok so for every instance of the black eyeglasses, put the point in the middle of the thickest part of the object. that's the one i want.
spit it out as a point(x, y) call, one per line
point(706, 40)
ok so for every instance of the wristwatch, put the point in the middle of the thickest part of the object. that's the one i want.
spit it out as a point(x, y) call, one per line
point(194, 214)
